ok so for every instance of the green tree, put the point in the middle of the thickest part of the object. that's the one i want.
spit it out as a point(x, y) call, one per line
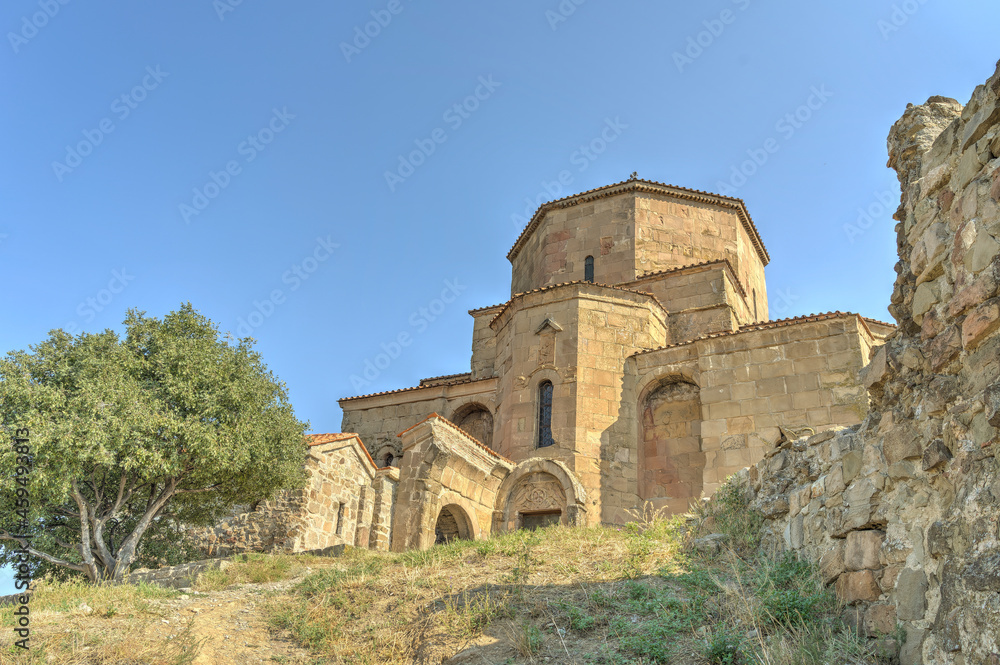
point(173, 423)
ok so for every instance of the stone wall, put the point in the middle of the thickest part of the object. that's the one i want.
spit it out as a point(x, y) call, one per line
point(902, 510)
point(555, 251)
point(794, 374)
point(671, 233)
point(347, 501)
point(183, 576)
point(379, 418)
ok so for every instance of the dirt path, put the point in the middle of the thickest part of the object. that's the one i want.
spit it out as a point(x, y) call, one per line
point(230, 626)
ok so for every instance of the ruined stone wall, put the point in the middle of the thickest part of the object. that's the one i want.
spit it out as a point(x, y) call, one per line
point(902, 510)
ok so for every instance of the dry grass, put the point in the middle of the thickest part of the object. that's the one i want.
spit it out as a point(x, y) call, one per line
point(256, 569)
point(63, 619)
point(634, 595)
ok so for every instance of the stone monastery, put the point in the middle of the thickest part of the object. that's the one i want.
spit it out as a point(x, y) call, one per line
point(634, 362)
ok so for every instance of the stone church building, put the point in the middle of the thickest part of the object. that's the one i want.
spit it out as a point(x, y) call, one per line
point(634, 362)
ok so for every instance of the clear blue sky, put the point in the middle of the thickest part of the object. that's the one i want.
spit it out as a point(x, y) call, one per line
point(90, 232)
point(117, 115)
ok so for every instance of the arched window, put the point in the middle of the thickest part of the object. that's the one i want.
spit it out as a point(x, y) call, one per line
point(545, 414)
point(588, 269)
point(388, 460)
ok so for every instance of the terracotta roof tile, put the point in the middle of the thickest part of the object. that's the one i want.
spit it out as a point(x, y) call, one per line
point(412, 388)
point(459, 429)
point(445, 376)
point(764, 325)
point(517, 296)
point(881, 323)
point(320, 439)
point(644, 185)
point(483, 309)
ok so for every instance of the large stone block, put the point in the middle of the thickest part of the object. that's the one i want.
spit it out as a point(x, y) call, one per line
point(880, 619)
point(831, 563)
point(980, 323)
point(911, 594)
point(901, 443)
point(862, 549)
point(856, 586)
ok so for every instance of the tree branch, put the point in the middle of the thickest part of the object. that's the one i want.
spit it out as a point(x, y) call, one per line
point(42, 555)
point(85, 552)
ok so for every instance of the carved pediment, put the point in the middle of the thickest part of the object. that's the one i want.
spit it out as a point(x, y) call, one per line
point(548, 325)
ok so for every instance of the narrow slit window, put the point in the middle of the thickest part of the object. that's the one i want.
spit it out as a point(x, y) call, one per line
point(588, 269)
point(755, 319)
point(340, 520)
point(545, 414)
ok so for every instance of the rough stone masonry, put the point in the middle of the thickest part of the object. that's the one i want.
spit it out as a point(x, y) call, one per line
point(902, 510)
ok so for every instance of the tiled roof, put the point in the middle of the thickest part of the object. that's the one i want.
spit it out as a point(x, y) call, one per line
point(658, 273)
point(320, 439)
point(445, 376)
point(764, 325)
point(412, 388)
point(459, 429)
point(483, 309)
point(881, 323)
point(517, 296)
point(644, 186)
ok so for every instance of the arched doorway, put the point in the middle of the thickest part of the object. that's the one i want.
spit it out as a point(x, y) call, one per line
point(538, 500)
point(452, 524)
point(476, 421)
point(671, 461)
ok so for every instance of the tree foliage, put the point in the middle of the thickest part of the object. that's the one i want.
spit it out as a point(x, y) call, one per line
point(172, 423)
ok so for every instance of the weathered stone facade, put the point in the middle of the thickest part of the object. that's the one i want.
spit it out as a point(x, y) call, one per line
point(634, 362)
point(902, 510)
point(348, 501)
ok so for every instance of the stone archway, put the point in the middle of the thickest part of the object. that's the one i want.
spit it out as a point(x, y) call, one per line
point(452, 524)
point(539, 492)
point(476, 421)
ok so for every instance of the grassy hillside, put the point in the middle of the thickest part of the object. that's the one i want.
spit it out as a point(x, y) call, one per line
point(647, 593)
